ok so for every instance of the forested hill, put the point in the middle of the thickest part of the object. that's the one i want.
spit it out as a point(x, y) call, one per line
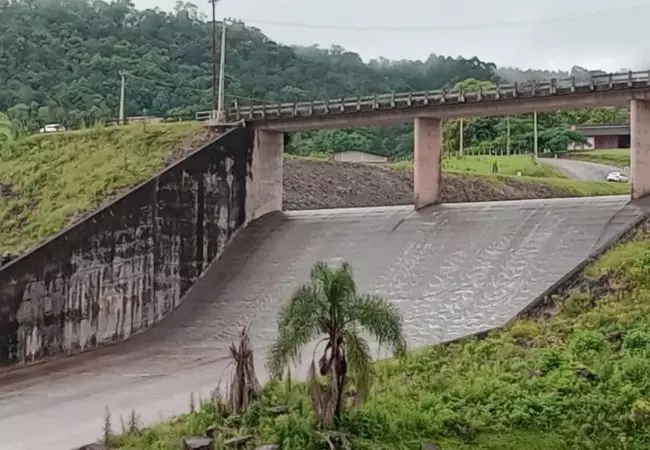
point(60, 62)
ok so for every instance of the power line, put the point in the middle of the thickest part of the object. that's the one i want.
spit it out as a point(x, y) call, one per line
point(455, 27)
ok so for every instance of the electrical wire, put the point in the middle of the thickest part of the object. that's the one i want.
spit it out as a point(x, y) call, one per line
point(455, 27)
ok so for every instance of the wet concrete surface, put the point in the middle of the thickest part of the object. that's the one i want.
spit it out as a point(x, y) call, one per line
point(581, 170)
point(452, 269)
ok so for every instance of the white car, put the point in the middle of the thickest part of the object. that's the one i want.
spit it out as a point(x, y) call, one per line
point(617, 176)
point(52, 128)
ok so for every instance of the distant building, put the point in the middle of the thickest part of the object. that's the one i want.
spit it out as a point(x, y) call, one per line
point(148, 119)
point(604, 136)
point(359, 156)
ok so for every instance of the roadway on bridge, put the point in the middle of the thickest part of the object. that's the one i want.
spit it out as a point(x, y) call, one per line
point(581, 170)
point(452, 269)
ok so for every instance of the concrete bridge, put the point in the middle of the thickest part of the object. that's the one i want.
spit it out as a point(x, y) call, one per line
point(428, 109)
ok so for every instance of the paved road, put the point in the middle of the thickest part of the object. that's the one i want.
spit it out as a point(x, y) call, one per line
point(452, 269)
point(581, 170)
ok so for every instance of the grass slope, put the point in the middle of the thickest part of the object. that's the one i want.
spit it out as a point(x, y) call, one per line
point(577, 376)
point(507, 165)
point(51, 180)
point(617, 157)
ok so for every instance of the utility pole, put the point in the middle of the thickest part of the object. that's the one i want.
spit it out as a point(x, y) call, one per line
point(122, 92)
point(222, 62)
point(214, 59)
point(461, 135)
point(535, 135)
point(508, 135)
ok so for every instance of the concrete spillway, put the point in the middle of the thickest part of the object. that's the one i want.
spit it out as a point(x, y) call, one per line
point(452, 269)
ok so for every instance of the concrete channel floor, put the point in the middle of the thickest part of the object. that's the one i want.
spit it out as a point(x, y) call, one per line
point(452, 269)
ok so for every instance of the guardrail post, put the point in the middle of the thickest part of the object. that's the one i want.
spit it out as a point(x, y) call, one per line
point(480, 95)
point(359, 103)
point(295, 109)
point(326, 106)
point(392, 99)
point(409, 101)
point(342, 108)
point(573, 84)
point(534, 89)
point(263, 110)
point(375, 102)
point(461, 95)
point(515, 92)
point(610, 81)
point(251, 116)
point(629, 79)
point(592, 85)
point(498, 92)
point(426, 97)
point(443, 96)
point(236, 106)
point(311, 108)
point(553, 86)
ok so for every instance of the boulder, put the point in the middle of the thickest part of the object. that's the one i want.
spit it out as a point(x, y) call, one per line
point(197, 443)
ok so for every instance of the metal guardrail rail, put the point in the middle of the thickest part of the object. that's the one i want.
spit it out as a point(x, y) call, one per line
point(404, 100)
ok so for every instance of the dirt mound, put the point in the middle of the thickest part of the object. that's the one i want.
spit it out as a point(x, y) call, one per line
point(313, 184)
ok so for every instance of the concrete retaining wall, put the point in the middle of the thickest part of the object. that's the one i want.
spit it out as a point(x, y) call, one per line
point(127, 266)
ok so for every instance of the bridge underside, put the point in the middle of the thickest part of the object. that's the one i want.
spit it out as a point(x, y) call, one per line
point(428, 145)
point(452, 270)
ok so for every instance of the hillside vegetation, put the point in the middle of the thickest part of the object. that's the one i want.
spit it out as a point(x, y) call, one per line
point(575, 375)
point(617, 157)
point(51, 180)
point(60, 62)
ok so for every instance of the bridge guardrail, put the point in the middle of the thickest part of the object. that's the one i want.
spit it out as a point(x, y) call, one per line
point(545, 88)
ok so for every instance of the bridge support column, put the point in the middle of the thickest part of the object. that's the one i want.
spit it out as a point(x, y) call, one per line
point(640, 148)
point(427, 164)
point(264, 182)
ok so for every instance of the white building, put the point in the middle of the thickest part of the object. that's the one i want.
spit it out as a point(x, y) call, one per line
point(359, 157)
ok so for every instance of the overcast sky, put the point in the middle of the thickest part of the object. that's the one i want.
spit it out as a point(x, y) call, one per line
point(551, 34)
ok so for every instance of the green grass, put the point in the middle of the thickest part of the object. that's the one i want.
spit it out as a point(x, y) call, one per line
point(618, 157)
point(507, 165)
point(578, 380)
point(57, 177)
point(579, 188)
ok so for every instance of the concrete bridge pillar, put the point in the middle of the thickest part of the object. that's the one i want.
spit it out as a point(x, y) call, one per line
point(640, 148)
point(427, 164)
point(264, 182)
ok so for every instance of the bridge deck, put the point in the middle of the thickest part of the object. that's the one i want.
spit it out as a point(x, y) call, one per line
point(598, 90)
point(452, 269)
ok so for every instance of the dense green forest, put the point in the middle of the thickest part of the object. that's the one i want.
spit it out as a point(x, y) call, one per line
point(60, 62)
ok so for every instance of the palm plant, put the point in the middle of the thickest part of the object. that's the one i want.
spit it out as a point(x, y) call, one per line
point(328, 304)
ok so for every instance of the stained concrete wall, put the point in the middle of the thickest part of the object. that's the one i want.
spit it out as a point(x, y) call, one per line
point(126, 267)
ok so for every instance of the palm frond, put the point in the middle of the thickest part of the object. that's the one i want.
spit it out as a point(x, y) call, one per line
point(381, 319)
point(298, 323)
point(359, 361)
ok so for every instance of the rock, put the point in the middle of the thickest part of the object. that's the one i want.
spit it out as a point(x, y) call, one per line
point(197, 443)
point(211, 431)
point(238, 441)
point(430, 446)
point(615, 336)
point(94, 446)
point(586, 373)
point(278, 410)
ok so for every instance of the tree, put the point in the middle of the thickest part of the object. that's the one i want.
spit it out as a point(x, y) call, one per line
point(328, 304)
